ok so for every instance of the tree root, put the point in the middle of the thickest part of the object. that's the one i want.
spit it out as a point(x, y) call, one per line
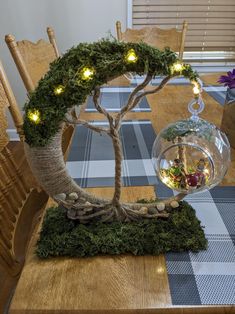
point(107, 212)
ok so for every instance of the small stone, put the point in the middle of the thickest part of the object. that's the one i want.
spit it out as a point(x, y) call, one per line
point(143, 210)
point(152, 211)
point(73, 196)
point(174, 204)
point(161, 206)
point(70, 201)
point(61, 196)
point(136, 208)
point(88, 209)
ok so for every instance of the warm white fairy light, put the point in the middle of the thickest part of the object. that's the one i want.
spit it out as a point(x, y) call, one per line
point(34, 116)
point(131, 56)
point(165, 180)
point(196, 90)
point(59, 89)
point(87, 73)
point(177, 67)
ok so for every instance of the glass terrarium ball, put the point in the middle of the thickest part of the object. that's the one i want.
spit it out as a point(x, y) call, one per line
point(191, 155)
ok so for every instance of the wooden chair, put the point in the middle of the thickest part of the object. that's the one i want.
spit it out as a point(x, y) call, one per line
point(21, 199)
point(157, 37)
point(33, 59)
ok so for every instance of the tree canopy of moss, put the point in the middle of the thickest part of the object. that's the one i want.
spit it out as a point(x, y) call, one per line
point(61, 236)
point(183, 128)
point(108, 60)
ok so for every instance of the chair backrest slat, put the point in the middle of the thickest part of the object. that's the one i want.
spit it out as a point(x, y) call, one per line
point(33, 59)
point(155, 36)
point(15, 188)
point(3, 120)
point(7, 99)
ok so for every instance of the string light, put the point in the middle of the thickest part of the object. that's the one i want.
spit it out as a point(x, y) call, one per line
point(34, 116)
point(177, 67)
point(165, 180)
point(131, 56)
point(59, 89)
point(87, 73)
point(196, 90)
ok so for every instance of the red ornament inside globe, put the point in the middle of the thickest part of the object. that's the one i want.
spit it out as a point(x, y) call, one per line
point(192, 179)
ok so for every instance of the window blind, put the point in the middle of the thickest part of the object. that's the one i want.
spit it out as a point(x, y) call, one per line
point(211, 23)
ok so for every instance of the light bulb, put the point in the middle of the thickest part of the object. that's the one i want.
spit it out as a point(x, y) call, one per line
point(131, 56)
point(196, 90)
point(177, 67)
point(34, 116)
point(59, 89)
point(165, 180)
point(87, 73)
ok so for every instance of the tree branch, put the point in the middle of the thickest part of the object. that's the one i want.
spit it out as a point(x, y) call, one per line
point(154, 90)
point(87, 125)
point(131, 98)
point(98, 106)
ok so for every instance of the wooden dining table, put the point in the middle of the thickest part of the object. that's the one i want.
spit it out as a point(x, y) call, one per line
point(114, 284)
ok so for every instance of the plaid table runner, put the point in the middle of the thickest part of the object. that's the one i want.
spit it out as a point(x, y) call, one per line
point(91, 158)
point(217, 92)
point(157, 80)
point(113, 98)
point(207, 277)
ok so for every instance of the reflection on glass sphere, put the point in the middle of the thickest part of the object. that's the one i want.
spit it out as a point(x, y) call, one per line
point(191, 155)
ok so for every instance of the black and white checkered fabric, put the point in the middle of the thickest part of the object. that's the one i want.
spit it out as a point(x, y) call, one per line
point(207, 277)
point(91, 159)
point(114, 98)
point(217, 92)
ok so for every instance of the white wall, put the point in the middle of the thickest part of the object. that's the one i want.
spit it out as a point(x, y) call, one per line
point(74, 21)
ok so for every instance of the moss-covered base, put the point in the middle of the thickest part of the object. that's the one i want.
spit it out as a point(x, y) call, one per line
point(63, 237)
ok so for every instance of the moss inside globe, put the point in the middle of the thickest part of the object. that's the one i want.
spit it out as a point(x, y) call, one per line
point(191, 155)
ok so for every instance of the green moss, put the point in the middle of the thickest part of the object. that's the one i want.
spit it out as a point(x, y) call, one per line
point(61, 236)
point(184, 128)
point(108, 60)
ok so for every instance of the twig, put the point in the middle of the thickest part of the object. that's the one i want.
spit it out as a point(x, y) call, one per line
point(154, 90)
point(131, 98)
point(98, 106)
point(167, 201)
point(87, 125)
point(159, 87)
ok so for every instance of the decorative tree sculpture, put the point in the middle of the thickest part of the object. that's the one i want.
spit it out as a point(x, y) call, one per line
point(80, 72)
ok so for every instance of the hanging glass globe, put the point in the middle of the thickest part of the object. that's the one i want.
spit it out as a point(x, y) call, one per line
point(191, 155)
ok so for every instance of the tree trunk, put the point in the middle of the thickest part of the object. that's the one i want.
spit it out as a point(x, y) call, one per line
point(182, 158)
point(181, 153)
point(118, 167)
